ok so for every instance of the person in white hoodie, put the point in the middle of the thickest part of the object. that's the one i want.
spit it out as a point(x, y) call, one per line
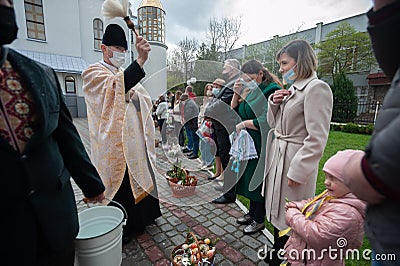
point(161, 112)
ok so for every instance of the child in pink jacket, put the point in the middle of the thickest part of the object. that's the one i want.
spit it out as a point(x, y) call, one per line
point(324, 227)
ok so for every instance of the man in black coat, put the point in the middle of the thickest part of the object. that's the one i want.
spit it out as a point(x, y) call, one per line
point(223, 127)
point(40, 149)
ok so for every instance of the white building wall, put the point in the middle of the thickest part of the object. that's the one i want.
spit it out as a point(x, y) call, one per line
point(62, 28)
point(88, 11)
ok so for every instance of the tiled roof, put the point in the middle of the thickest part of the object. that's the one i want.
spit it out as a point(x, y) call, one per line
point(376, 75)
point(60, 63)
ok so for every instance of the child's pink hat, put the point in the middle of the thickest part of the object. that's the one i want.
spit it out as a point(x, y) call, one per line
point(335, 165)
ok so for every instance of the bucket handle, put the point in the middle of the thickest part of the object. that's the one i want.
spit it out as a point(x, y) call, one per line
point(116, 203)
point(121, 207)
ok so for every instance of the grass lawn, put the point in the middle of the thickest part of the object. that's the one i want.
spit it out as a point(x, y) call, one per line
point(337, 141)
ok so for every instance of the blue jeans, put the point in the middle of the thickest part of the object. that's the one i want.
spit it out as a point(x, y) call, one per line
point(189, 137)
point(206, 149)
point(193, 140)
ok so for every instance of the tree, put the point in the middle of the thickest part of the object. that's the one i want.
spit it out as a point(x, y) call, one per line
point(344, 49)
point(222, 35)
point(207, 52)
point(344, 99)
point(187, 49)
point(274, 46)
point(175, 69)
point(230, 31)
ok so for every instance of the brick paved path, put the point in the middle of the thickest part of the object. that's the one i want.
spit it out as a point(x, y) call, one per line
point(194, 213)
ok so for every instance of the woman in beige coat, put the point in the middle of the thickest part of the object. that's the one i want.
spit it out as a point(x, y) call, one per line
point(299, 118)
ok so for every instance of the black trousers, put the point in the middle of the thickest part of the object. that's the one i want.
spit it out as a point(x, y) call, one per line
point(257, 211)
point(161, 124)
point(223, 147)
point(139, 215)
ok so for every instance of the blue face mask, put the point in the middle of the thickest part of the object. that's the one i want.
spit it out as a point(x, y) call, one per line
point(251, 85)
point(215, 91)
point(289, 76)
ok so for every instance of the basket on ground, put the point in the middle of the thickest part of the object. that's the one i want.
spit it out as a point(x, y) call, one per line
point(181, 183)
point(194, 251)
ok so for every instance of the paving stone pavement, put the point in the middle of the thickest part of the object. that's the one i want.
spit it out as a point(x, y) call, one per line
point(193, 213)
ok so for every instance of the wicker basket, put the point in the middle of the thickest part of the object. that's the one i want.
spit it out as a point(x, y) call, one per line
point(180, 191)
point(205, 258)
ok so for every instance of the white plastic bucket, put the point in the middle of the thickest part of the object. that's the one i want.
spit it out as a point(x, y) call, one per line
point(99, 241)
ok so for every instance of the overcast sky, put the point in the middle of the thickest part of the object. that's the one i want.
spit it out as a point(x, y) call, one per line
point(261, 19)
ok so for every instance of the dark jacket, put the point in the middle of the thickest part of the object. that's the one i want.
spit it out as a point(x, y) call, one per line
point(381, 163)
point(219, 109)
point(39, 198)
point(190, 114)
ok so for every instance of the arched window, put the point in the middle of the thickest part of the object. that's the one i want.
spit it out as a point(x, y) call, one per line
point(35, 19)
point(97, 32)
point(70, 84)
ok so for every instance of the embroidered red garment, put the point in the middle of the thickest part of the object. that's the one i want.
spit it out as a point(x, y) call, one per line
point(18, 120)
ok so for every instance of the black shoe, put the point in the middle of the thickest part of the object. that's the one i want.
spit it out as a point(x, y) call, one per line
point(224, 200)
point(245, 219)
point(189, 154)
point(186, 150)
point(193, 156)
point(213, 177)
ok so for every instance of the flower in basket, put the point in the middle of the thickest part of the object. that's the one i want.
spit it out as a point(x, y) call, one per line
point(194, 251)
point(180, 176)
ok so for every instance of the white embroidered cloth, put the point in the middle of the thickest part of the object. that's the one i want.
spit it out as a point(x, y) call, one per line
point(242, 148)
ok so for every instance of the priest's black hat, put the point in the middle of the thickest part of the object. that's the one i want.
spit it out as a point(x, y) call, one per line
point(114, 35)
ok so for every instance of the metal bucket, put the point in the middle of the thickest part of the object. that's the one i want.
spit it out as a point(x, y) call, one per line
point(99, 241)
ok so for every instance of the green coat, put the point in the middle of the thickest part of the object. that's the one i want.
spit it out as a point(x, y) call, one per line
point(255, 107)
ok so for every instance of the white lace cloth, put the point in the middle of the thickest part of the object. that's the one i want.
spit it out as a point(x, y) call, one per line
point(242, 148)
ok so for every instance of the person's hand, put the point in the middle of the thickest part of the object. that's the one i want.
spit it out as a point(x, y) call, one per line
point(290, 204)
point(292, 183)
point(99, 198)
point(279, 95)
point(237, 87)
point(143, 49)
point(355, 180)
point(240, 126)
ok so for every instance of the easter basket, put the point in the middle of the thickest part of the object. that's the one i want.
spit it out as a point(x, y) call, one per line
point(195, 251)
point(181, 183)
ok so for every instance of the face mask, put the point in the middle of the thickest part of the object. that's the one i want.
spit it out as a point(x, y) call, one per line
point(118, 59)
point(289, 76)
point(209, 93)
point(251, 85)
point(8, 25)
point(215, 91)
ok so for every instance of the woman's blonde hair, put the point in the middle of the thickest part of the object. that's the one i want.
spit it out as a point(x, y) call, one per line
point(304, 55)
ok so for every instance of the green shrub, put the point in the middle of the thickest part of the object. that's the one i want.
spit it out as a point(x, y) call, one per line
point(353, 128)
